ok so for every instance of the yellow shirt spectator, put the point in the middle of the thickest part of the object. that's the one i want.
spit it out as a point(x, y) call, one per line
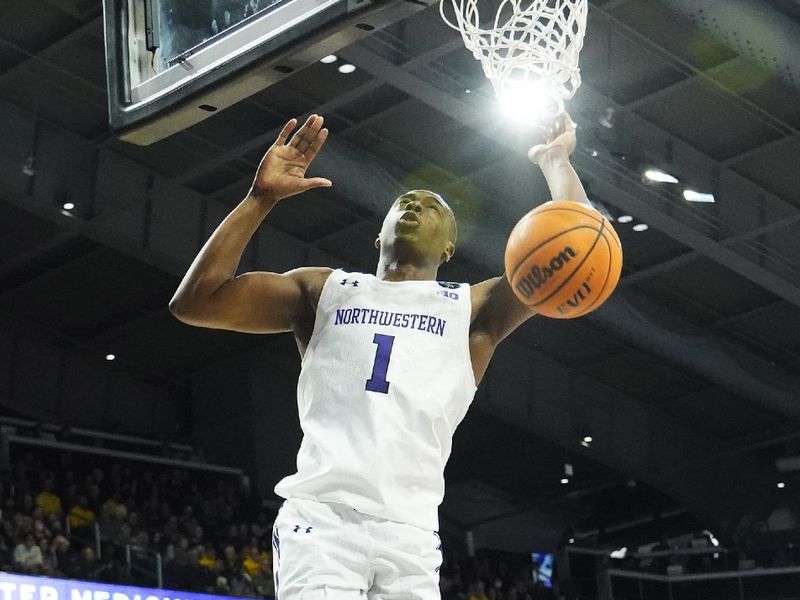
point(81, 515)
point(208, 558)
point(49, 503)
point(251, 565)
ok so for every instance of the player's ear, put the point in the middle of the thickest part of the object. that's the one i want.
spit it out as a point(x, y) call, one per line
point(449, 250)
point(378, 243)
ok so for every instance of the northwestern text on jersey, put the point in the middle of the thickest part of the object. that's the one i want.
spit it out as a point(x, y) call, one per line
point(371, 316)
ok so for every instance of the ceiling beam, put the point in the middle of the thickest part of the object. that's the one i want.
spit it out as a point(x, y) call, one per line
point(731, 161)
point(623, 29)
point(37, 57)
point(671, 264)
point(92, 27)
point(21, 260)
point(706, 78)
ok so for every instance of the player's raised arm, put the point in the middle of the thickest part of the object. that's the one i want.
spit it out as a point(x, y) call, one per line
point(552, 157)
point(210, 294)
point(496, 310)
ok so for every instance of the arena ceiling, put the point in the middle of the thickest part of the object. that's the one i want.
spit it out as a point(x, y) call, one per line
point(689, 377)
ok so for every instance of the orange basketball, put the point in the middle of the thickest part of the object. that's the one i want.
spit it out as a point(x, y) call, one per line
point(563, 259)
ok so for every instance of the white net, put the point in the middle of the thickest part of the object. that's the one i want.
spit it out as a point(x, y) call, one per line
point(531, 45)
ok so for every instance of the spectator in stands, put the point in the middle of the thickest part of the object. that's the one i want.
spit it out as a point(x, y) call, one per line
point(208, 557)
point(28, 556)
point(230, 563)
point(263, 581)
point(49, 562)
point(86, 567)
point(477, 591)
point(65, 559)
point(81, 517)
point(49, 502)
point(94, 501)
point(112, 570)
point(251, 563)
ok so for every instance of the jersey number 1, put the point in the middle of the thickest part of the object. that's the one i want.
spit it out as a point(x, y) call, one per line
point(377, 381)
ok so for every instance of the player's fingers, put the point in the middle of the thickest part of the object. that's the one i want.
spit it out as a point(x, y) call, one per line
point(315, 182)
point(298, 135)
point(316, 144)
point(310, 135)
point(568, 123)
point(287, 129)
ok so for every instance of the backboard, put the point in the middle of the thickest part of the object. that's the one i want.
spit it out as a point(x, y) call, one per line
point(173, 63)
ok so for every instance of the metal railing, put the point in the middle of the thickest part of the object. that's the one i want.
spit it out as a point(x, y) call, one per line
point(143, 562)
point(775, 583)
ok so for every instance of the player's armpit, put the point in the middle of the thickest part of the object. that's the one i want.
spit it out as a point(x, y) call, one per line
point(496, 311)
point(257, 302)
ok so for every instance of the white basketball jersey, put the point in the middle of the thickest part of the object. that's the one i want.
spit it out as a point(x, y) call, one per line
point(385, 380)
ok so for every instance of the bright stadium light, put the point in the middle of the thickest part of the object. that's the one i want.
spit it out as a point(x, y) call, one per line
point(348, 68)
point(660, 176)
point(695, 196)
point(625, 219)
point(110, 357)
point(781, 485)
point(69, 206)
point(621, 553)
point(564, 480)
point(525, 100)
point(331, 58)
point(641, 227)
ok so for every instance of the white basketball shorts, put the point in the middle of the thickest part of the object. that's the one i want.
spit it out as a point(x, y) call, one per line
point(331, 552)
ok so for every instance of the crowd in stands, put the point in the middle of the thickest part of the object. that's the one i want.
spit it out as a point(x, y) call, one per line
point(490, 577)
point(211, 535)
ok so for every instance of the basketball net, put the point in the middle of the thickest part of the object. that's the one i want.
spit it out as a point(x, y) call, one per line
point(530, 54)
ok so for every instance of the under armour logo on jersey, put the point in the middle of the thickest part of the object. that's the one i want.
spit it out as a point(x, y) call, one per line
point(297, 529)
point(354, 283)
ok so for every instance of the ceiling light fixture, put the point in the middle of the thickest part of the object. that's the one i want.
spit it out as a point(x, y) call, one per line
point(110, 357)
point(660, 176)
point(331, 58)
point(564, 480)
point(641, 227)
point(624, 219)
point(348, 68)
point(620, 553)
point(781, 485)
point(695, 196)
point(68, 206)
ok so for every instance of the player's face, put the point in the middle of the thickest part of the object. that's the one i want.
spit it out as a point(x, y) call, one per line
point(421, 218)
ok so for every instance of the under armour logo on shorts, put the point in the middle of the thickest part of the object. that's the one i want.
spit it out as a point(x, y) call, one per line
point(354, 283)
point(297, 529)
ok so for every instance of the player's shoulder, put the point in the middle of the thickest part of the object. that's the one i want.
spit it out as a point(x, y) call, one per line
point(311, 279)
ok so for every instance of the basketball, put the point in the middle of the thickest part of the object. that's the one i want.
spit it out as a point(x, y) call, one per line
point(563, 259)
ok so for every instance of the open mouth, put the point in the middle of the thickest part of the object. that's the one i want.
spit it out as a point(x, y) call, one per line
point(409, 217)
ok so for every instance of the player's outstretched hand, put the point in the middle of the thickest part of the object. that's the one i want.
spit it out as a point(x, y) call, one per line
point(282, 172)
point(559, 136)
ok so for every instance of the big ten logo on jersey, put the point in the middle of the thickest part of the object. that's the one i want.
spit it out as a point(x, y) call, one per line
point(448, 292)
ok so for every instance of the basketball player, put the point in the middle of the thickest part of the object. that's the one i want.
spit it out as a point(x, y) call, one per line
point(390, 364)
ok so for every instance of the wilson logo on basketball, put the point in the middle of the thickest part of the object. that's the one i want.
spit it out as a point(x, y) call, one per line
point(538, 275)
